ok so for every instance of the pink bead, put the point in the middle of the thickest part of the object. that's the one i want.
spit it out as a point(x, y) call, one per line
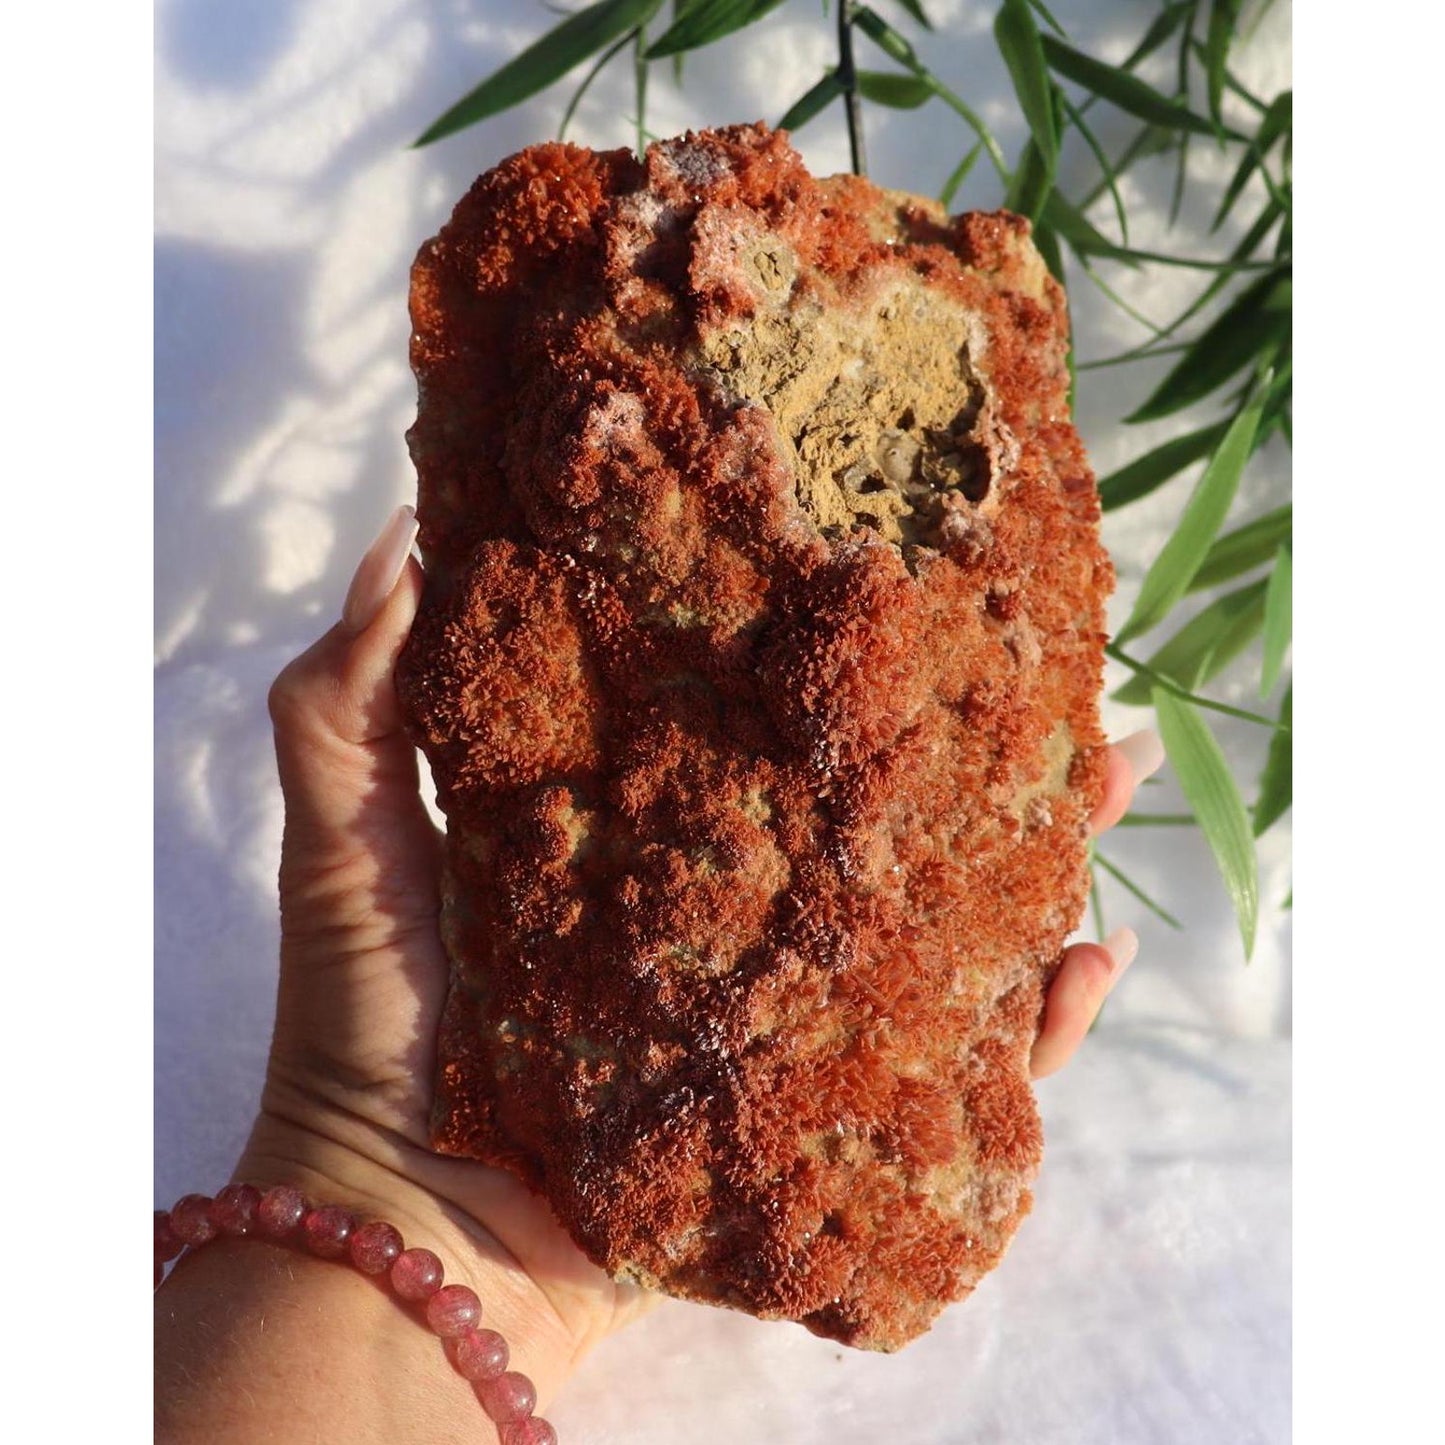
point(234, 1209)
point(453, 1310)
point(417, 1274)
point(375, 1246)
point(478, 1355)
point(168, 1244)
point(534, 1430)
point(280, 1211)
point(191, 1219)
point(327, 1230)
point(509, 1397)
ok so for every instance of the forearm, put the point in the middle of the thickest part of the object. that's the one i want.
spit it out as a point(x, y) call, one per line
point(258, 1341)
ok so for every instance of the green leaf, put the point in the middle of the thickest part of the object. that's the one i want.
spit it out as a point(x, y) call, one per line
point(958, 175)
point(902, 92)
point(550, 58)
point(1105, 166)
point(587, 80)
point(818, 99)
point(706, 21)
point(1017, 37)
point(1278, 119)
point(1048, 18)
point(916, 11)
point(1170, 686)
point(1032, 184)
point(1163, 26)
point(1249, 546)
point(1122, 89)
point(1204, 645)
point(1257, 319)
point(892, 44)
point(1118, 874)
point(1217, 40)
point(1149, 472)
point(1181, 556)
point(883, 35)
point(1278, 618)
point(1079, 231)
point(1276, 782)
point(1209, 787)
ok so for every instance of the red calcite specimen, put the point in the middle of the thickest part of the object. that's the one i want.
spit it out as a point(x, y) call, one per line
point(757, 669)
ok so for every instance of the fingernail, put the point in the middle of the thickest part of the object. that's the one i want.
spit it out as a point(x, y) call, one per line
point(1122, 945)
point(1144, 752)
point(377, 572)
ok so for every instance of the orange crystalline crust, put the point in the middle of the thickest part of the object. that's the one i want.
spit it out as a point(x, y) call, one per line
point(757, 670)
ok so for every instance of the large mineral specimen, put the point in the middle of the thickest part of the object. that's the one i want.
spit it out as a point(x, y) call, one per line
point(757, 669)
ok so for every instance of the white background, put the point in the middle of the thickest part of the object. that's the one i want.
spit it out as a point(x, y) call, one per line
point(1147, 1298)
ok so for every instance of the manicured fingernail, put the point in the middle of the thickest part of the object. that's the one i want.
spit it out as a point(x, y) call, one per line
point(377, 572)
point(1122, 945)
point(1144, 752)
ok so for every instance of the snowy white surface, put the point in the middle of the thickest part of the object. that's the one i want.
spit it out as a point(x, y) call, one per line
point(1147, 1298)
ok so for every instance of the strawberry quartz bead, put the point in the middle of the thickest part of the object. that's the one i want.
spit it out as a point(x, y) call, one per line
point(478, 1355)
point(534, 1430)
point(453, 1310)
point(191, 1219)
point(508, 1398)
point(417, 1274)
point(234, 1209)
point(280, 1211)
point(168, 1243)
point(375, 1246)
point(327, 1230)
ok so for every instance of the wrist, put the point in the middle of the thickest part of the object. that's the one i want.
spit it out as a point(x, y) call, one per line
point(374, 1179)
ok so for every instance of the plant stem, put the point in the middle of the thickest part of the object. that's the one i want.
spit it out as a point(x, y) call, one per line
point(848, 79)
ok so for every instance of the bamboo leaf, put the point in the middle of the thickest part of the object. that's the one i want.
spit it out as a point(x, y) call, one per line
point(1208, 784)
point(1122, 89)
point(587, 80)
point(1105, 166)
point(1257, 319)
point(1181, 556)
point(1249, 546)
point(1277, 120)
point(891, 88)
point(892, 44)
point(916, 11)
point(1217, 40)
point(1032, 184)
point(708, 20)
point(1047, 17)
point(1162, 27)
point(819, 98)
point(1278, 619)
point(1079, 231)
point(1149, 472)
point(1204, 645)
point(1017, 37)
point(958, 175)
point(548, 59)
point(1118, 874)
point(883, 35)
point(1170, 686)
point(1276, 782)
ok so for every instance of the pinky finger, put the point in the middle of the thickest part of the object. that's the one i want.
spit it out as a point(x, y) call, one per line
point(1086, 976)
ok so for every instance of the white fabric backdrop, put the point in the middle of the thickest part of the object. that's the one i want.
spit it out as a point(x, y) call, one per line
point(1147, 1298)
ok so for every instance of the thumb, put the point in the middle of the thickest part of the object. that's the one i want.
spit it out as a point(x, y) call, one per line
point(348, 770)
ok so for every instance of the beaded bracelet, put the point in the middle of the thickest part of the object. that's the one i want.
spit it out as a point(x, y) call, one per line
point(452, 1311)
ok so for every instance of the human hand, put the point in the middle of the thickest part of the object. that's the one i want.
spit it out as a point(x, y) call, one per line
point(363, 972)
point(1089, 971)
